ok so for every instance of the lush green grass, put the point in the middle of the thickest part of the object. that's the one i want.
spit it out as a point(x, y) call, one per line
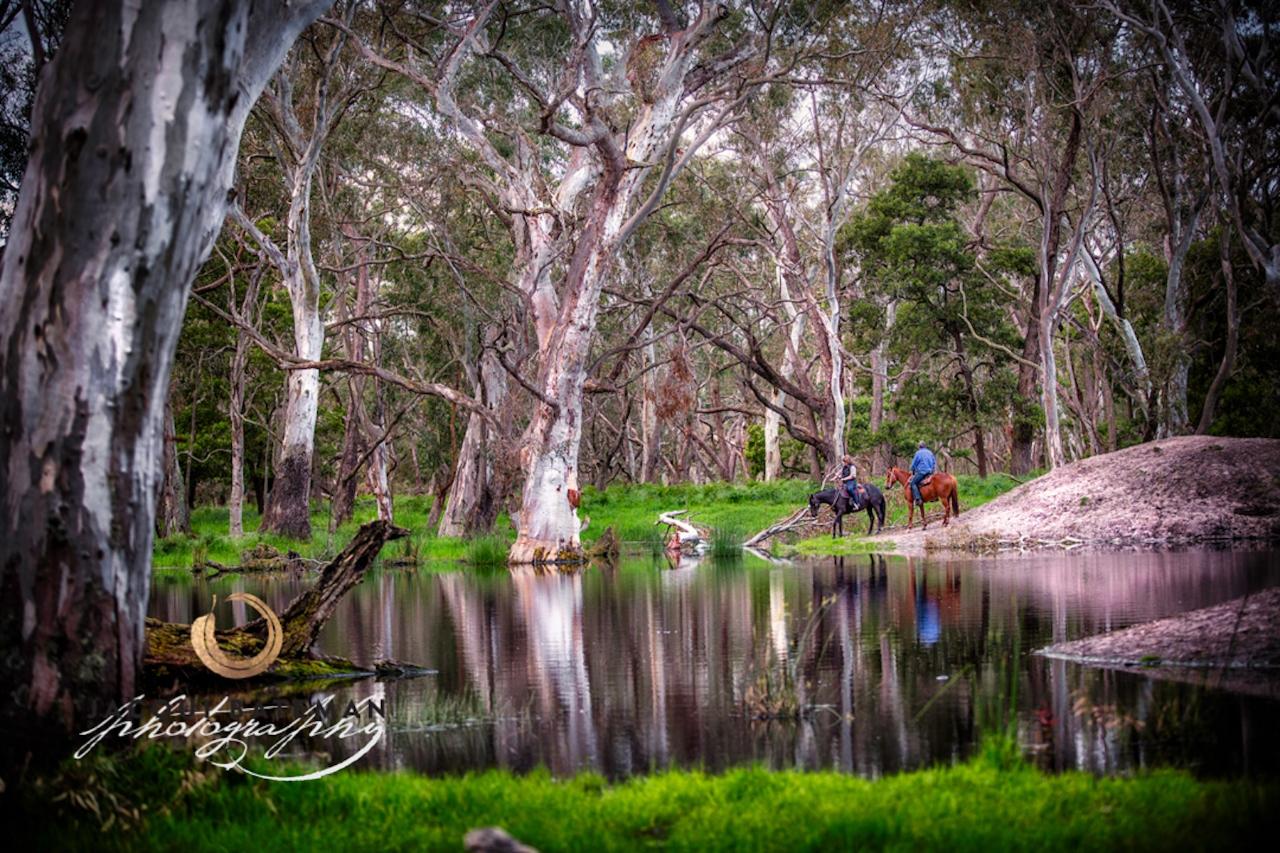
point(733, 511)
point(825, 546)
point(487, 552)
point(209, 538)
point(738, 508)
point(994, 802)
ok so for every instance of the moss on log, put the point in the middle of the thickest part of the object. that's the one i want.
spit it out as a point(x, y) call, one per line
point(170, 657)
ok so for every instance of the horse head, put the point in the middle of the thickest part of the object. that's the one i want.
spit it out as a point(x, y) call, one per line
point(813, 506)
point(891, 476)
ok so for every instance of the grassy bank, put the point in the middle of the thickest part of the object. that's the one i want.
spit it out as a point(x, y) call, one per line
point(209, 539)
point(994, 802)
point(734, 510)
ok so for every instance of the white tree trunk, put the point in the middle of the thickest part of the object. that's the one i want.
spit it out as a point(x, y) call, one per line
point(1132, 345)
point(467, 511)
point(650, 427)
point(1049, 392)
point(549, 524)
point(289, 511)
point(134, 138)
point(790, 359)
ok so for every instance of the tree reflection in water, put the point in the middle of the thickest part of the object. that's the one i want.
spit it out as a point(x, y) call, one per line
point(637, 668)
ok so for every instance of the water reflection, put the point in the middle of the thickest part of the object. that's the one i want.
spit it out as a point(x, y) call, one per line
point(902, 662)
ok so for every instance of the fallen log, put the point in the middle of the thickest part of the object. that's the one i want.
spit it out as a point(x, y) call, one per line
point(682, 536)
point(170, 656)
point(796, 519)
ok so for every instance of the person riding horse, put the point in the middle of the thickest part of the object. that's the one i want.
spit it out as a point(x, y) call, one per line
point(849, 479)
point(922, 465)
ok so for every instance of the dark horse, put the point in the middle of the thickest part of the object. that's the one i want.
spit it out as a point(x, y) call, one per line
point(838, 500)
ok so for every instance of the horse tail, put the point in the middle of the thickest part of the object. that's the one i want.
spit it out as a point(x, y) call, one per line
point(955, 500)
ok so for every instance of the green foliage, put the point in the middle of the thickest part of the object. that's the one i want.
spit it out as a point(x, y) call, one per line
point(993, 802)
point(913, 251)
point(726, 543)
point(487, 552)
point(754, 451)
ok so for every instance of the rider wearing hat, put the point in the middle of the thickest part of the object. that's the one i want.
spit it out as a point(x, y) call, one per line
point(922, 465)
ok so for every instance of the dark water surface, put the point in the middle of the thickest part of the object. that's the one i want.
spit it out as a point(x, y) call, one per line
point(900, 662)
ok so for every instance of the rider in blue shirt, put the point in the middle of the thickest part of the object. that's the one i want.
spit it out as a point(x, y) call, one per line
point(922, 465)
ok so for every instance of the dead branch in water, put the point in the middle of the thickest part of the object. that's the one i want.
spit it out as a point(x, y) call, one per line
point(796, 519)
point(686, 536)
point(169, 651)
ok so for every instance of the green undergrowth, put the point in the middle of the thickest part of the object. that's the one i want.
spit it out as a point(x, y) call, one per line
point(161, 800)
point(737, 510)
point(825, 546)
point(209, 539)
point(732, 511)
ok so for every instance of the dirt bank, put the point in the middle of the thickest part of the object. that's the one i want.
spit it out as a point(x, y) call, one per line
point(1234, 645)
point(1178, 491)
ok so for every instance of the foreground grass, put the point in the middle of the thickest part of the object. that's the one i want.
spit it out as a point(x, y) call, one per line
point(994, 802)
point(733, 511)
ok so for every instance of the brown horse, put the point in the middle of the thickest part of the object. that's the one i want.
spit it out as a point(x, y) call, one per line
point(941, 488)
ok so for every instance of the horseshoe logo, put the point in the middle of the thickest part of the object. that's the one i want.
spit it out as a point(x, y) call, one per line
point(205, 641)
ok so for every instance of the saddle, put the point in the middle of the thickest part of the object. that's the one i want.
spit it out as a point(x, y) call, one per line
point(927, 480)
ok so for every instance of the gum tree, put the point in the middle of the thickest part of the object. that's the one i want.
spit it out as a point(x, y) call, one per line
point(134, 136)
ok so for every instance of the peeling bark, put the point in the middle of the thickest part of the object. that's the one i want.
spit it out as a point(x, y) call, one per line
point(134, 137)
point(289, 508)
point(472, 507)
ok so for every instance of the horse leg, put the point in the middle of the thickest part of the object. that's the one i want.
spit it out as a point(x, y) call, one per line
point(911, 506)
point(946, 509)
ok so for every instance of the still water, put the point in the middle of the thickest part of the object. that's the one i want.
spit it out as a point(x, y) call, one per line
point(896, 662)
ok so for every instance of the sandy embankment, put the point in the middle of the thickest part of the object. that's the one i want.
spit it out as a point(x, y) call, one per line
point(1234, 645)
point(1179, 491)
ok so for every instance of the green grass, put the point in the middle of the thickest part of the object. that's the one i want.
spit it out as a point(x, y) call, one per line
point(209, 539)
point(733, 511)
point(748, 506)
point(825, 546)
point(726, 543)
point(993, 802)
point(487, 552)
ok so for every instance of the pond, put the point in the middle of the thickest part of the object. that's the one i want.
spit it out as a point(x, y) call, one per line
point(895, 663)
